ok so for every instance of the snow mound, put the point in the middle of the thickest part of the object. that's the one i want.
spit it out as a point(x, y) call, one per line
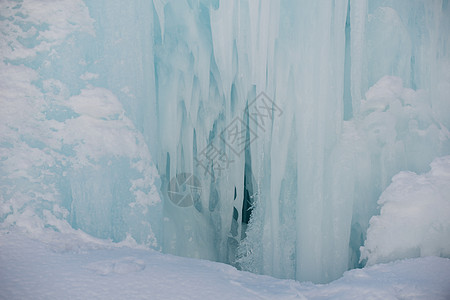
point(34, 269)
point(415, 217)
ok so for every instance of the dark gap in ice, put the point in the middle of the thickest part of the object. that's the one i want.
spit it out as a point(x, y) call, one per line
point(348, 109)
point(247, 205)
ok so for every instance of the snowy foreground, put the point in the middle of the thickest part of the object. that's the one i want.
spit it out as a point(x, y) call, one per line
point(61, 268)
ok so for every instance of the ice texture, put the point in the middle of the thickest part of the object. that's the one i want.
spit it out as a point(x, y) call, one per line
point(309, 108)
point(70, 159)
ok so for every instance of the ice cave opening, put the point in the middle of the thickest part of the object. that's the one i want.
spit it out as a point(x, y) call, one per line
point(297, 139)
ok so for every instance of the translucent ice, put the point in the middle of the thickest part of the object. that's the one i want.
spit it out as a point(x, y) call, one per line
point(285, 120)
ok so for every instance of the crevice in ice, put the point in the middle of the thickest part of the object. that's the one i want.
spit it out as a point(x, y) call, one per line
point(232, 241)
point(247, 205)
point(357, 238)
point(348, 109)
point(167, 167)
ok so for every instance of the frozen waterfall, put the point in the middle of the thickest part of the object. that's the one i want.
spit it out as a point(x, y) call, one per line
point(252, 132)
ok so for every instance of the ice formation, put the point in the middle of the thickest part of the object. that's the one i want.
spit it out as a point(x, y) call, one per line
point(69, 159)
point(415, 217)
point(308, 109)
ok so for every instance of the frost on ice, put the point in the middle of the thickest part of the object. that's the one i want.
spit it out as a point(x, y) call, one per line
point(67, 159)
point(353, 92)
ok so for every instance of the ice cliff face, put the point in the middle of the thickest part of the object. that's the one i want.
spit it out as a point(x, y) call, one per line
point(274, 125)
point(70, 158)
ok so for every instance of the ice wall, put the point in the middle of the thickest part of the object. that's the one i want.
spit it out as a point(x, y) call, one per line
point(335, 132)
point(71, 157)
point(274, 125)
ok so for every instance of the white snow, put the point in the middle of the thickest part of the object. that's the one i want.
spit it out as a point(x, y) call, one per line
point(415, 217)
point(49, 140)
point(52, 24)
point(71, 267)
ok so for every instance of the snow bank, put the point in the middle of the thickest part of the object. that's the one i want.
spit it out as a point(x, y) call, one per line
point(32, 269)
point(415, 217)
